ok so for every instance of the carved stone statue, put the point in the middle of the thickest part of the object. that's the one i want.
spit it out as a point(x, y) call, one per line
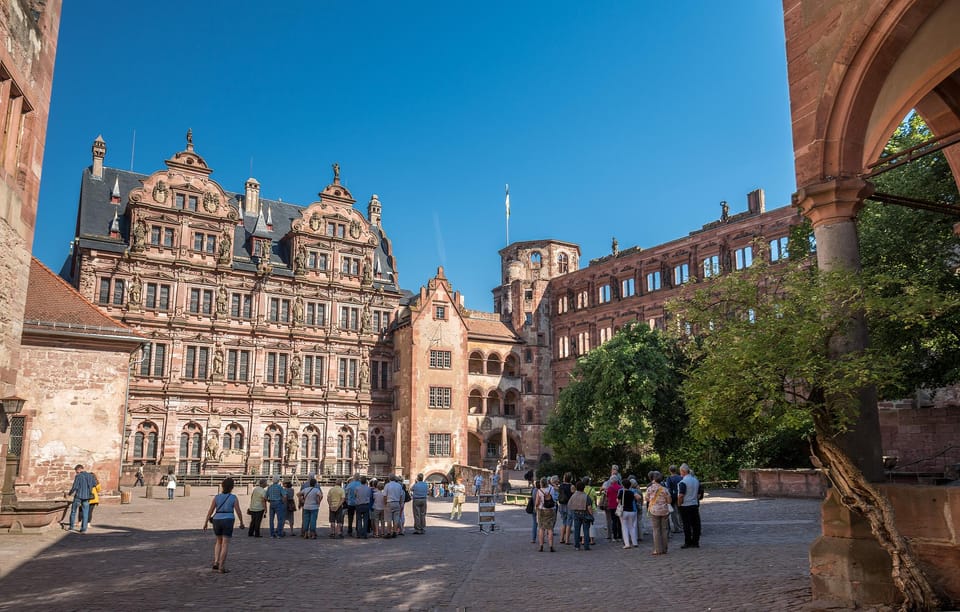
point(213, 449)
point(364, 374)
point(225, 248)
point(365, 319)
point(724, 211)
point(361, 450)
point(222, 300)
point(300, 260)
point(336, 172)
point(615, 246)
point(135, 289)
point(218, 362)
point(298, 310)
point(295, 370)
point(139, 236)
point(293, 447)
point(367, 276)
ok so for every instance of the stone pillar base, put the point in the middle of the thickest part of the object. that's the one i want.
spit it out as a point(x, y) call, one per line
point(853, 571)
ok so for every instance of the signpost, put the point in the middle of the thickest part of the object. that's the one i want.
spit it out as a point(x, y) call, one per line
point(487, 512)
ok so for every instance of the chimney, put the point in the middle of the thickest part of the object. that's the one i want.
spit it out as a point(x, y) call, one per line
point(756, 202)
point(99, 152)
point(251, 200)
point(373, 210)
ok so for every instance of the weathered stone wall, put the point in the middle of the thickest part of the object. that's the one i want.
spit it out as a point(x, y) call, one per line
point(75, 401)
point(783, 483)
point(847, 564)
point(924, 438)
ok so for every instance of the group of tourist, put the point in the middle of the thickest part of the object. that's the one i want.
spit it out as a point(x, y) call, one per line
point(672, 504)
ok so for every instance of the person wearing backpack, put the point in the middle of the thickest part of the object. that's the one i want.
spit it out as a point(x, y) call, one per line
point(566, 517)
point(546, 513)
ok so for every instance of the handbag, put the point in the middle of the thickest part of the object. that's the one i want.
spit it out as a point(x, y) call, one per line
point(619, 510)
point(217, 511)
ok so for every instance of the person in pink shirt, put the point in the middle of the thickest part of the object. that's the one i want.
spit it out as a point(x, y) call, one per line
point(612, 490)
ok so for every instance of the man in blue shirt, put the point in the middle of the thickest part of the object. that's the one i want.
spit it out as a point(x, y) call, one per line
point(672, 484)
point(82, 491)
point(351, 491)
point(276, 495)
point(419, 492)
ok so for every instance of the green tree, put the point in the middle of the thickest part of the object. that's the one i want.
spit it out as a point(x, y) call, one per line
point(622, 402)
point(762, 359)
point(901, 245)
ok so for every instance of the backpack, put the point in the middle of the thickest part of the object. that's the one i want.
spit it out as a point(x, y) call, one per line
point(530, 504)
point(548, 502)
point(565, 493)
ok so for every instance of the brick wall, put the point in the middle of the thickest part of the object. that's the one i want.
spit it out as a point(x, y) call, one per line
point(924, 438)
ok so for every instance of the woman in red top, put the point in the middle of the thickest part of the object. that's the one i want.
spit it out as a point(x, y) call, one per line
point(611, 490)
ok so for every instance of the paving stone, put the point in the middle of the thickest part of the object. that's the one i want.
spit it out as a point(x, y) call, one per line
point(151, 554)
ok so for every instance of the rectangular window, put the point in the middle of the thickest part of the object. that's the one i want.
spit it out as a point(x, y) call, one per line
point(156, 232)
point(317, 261)
point(279, 310)
point(104, 296)
point(528, 319)
point(241, 306)
point(315, 314)
point(603, 294)
point(350, 265)
point(312, 370)
point(195, 362)
point(168, 237)
point(381, 320)
point(349, 318)
point(528, 294)
point(440, 360)
point(379, 373)
point(439, 311)
point(347, 373)
point(627, 288)
point(17, 433)
point(331, 229)
point(341, 230)
point(778, 249)
point(439, 445)
point(153, 359)
point(211, 244)
point(653, 281)
point(201, 301)
point(198, 242)
point(681, 274)
point(157, 297)
point(118, 292)
point(743, 257)
point(440, 397)
point(583, 300)
point(238, 365)
point(276, 368)
point(711, 266)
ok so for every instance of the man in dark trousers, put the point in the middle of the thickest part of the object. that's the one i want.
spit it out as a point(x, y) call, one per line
point(82, 491)
point(688, 499)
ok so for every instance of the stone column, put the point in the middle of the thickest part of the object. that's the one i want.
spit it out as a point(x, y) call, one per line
point(832, 207)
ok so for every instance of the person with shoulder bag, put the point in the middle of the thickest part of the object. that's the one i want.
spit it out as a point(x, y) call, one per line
point(459, 497)
point(580, 505)
point(546, 513)
point(220, 515)
point(659, 508)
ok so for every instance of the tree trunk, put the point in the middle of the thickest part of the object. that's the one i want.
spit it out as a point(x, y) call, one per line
point(864, 499)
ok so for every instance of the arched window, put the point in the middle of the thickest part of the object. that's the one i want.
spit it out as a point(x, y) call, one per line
point(145, 443)
point(310, 451)
point(510, 401)
point(234, 433)
point(493, 403)
point(563, 263)
point(381, 443)
point(536, 259)
point(191, 449)
point(272, 450)
point(493, 364)
point(344, 452)
point(511, 366)
point(475, 365)
point(475, 402)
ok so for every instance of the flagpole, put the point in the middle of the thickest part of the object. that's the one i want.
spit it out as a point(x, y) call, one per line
point(507, 202)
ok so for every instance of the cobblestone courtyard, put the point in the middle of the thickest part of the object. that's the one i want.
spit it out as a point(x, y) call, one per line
point(151, 554)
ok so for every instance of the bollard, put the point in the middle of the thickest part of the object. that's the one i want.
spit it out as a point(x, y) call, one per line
point(125, 497)
point(186, 490)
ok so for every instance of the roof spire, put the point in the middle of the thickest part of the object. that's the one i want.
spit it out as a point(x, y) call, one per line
point(189, 139)
point(115, 193)
point(269, 215)
point(115, 225)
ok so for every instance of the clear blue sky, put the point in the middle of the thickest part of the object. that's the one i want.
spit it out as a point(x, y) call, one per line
point(627, 119)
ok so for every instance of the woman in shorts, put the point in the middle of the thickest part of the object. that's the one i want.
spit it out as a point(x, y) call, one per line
point(220, 515)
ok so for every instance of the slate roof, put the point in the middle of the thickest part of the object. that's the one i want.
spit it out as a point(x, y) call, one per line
point(51, 302)
point(95, 216)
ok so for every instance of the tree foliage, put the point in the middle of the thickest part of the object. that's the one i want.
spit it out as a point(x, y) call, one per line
point(901, 245)
point(622, 400)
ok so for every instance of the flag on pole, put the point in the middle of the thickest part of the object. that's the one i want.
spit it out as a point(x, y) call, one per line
point(508, 201)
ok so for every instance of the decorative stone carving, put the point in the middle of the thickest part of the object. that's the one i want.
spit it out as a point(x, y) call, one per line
point(315, 222)
point(293, 447)
point(160, 192)
point(295, 370)
point(298, 310)
point(361, 450)
point(211, 202)
point(139, 237)
point(135, 290)
point(222, 300)
point(300, 261)
point(354, 229)
point(218, 362)
point(365, 324)
point(213, 448)
point(364, 375)
point(224, 249)
point(367, 277)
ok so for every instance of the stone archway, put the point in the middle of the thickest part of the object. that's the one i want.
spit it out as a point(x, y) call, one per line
point(855, 70)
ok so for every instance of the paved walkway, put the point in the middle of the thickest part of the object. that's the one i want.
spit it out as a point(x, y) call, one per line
point(151, 555)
